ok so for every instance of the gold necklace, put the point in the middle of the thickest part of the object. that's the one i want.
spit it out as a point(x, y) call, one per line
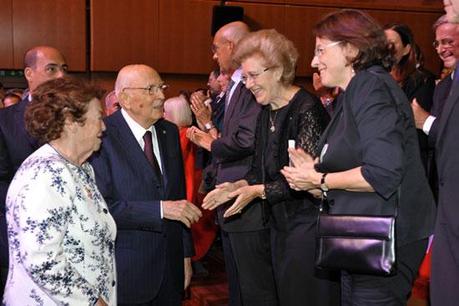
point(272, 121)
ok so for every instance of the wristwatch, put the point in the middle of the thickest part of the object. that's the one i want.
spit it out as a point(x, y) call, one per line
point(209, 125)
point(323, 185)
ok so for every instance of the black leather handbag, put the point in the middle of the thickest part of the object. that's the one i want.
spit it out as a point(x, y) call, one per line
point(357, 244)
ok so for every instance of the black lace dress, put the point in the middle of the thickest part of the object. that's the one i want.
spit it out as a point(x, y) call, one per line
point(293, 214)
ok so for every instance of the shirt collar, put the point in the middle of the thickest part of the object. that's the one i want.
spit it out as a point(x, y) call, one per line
point(136, 128)
point(237, 75)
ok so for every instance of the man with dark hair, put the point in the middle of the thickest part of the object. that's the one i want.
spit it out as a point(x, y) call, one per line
point(41, 64)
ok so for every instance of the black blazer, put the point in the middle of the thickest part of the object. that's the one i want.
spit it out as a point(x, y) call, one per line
point(445, 133)
point(233, 153)
point(373, 127)
point(440, 95)
point(15, 146)
point(146, 244)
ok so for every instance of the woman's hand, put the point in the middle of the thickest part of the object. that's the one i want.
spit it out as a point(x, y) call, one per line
point(218, 196)
point(245, 195)
point(302, 176)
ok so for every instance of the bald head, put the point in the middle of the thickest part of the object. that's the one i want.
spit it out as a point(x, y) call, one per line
point(233, 31)
point(43, 63)
point(134, 76)
point(225, 42)
point(139, 93)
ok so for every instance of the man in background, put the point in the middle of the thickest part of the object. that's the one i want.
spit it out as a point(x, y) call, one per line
point(41, 63)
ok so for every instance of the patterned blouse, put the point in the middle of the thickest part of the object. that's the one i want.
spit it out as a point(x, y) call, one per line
point(61, 235)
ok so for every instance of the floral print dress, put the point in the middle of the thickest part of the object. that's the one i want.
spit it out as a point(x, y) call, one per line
point(61, 235)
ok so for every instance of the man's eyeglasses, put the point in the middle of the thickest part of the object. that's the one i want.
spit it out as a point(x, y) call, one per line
point(252, 75)
point(152, 89)
point(443, 42)
point(319, 51)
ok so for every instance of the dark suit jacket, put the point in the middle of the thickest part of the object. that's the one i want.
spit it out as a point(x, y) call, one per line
point(373, 127)
point(146, 246)
point(15, 146)
point(440, 95)
point(445, 133)
point(233, 153)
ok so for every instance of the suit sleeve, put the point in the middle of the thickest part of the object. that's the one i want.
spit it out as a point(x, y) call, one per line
point(188, 246)
point(380, 129)
point(5, 171)
point(128, 214)
point(239, 143)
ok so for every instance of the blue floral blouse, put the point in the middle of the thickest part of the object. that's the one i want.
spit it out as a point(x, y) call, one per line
point(61, 235)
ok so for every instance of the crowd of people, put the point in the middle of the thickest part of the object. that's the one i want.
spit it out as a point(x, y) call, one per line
point(97, 207)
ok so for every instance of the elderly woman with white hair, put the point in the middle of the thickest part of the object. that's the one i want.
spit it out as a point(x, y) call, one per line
point(290, 116)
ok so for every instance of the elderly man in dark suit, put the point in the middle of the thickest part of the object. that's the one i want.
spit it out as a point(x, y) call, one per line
point(245, 237)
point(42, 63)
point(144, 186)
point(444, 132)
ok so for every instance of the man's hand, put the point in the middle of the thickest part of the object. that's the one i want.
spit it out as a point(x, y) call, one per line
point(202, 111)
point(100, 302)
point(188, 272)
point(200, 138)
point(420, 115)
point(182, 211)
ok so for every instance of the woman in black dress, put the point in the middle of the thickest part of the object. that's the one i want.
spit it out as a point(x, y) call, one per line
point(290, 117)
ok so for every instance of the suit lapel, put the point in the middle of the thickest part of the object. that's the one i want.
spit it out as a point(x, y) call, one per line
point(162, 143)
point(229, 111)
point(336, 115)
point(20, 123)
point(450, 103)
point(133, 151)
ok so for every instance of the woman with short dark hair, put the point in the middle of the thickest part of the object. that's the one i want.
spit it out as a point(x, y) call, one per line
point(369, 161)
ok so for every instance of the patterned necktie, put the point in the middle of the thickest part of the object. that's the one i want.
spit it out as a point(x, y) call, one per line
point(148, 149)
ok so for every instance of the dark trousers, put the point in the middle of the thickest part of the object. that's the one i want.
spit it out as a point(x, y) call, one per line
point(252, 258)
point(298, 282)
point(363, 290)
point(168, 296)
point(444, 284)
point(231, 271)
point(3, 277)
